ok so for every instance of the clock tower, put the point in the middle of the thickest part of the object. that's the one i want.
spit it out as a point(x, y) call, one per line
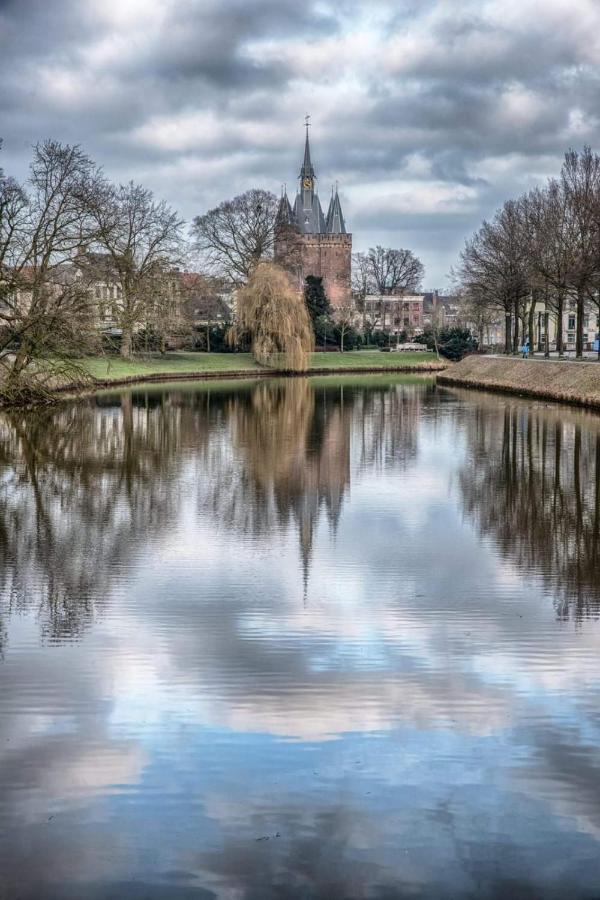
point(322, 246)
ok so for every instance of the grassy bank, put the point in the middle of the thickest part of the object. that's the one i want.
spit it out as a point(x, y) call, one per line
point(565, 382)
point(106, 370)
point(248, 382)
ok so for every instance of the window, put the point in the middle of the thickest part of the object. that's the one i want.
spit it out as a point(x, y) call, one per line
point(571, 325)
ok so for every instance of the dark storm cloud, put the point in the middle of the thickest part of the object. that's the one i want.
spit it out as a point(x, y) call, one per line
point(455, 106)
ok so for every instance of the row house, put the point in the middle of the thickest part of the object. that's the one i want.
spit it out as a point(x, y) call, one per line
point(591, 328)
point(395, 313)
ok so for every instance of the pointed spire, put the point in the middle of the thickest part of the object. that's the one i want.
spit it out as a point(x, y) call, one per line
point(285, 214)
point(335, 218)
point(307, 170)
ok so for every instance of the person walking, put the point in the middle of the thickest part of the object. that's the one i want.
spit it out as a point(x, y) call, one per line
point(525, 349)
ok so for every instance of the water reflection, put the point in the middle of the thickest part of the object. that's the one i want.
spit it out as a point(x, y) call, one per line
point(80, 487)
point(84, 485)
point(299, 639)
point(531, 480)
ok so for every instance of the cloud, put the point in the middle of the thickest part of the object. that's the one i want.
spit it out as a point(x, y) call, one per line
point(412, 102)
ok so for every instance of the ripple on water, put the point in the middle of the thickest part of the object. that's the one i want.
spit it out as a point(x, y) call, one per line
point(300, 639)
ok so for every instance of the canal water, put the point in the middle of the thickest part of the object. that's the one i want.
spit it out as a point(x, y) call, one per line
point(336, 638)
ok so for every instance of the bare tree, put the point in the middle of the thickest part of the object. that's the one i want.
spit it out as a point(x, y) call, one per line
point(235, 236)
point(203, 303)
point(143, 240)
point(45, 312)
point(391, 271)
point(345, 321)
point(550, 248)
point(13, 218)
point(475, 313)
point(494, 268)
point(580, 181)
point(362, 277)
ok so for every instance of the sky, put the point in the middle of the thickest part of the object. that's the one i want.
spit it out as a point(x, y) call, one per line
point(428, 114)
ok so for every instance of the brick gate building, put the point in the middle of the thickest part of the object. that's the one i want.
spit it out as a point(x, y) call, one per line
point(310, 243)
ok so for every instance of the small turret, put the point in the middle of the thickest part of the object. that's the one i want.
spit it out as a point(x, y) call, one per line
point(285, 214)
point(335, 219)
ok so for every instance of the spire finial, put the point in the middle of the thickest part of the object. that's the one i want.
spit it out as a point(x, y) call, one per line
point(307, 170)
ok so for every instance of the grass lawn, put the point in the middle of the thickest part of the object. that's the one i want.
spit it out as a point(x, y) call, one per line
point(113, 368)
point(109, 368)
point(356, 359)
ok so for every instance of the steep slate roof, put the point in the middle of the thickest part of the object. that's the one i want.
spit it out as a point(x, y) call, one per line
point(285, 214)
point(309, 221)
point(335, 219)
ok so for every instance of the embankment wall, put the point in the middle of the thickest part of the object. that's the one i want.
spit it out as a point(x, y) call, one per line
point(566, 382)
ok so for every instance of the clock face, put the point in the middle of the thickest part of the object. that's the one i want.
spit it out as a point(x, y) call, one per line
point(308, 183)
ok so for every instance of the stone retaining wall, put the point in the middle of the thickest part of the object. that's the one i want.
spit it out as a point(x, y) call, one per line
point(565, 382)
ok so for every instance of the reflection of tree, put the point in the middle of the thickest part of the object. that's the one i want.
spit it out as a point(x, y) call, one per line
point(389, 424)
point(532, 480)
point(79, 487)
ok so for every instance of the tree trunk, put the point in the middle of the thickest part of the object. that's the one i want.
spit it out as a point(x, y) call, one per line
point(516, 329)
point(21, 361)
point(207, 337)
point(126, 343)
point(507, 333)
point(530, 326)
point(560, 347)
point(547, 334)
point(579, 323)
point(21, 358)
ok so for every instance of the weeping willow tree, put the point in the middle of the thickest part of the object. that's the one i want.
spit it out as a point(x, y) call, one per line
point(273, 316)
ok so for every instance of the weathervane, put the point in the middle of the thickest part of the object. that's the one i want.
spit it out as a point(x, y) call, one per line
point(307, 122)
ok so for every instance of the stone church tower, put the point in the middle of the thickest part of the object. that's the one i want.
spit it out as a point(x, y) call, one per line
point(309, 243)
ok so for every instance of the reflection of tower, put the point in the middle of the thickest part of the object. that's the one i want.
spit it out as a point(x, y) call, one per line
point(324, 476)
point(307, 528)
point(295, 461)
point(291, 453)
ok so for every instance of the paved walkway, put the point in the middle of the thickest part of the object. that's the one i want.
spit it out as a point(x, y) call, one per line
point(588, 356)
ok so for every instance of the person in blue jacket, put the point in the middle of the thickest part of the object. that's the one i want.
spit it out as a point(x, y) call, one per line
point(525, 349)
